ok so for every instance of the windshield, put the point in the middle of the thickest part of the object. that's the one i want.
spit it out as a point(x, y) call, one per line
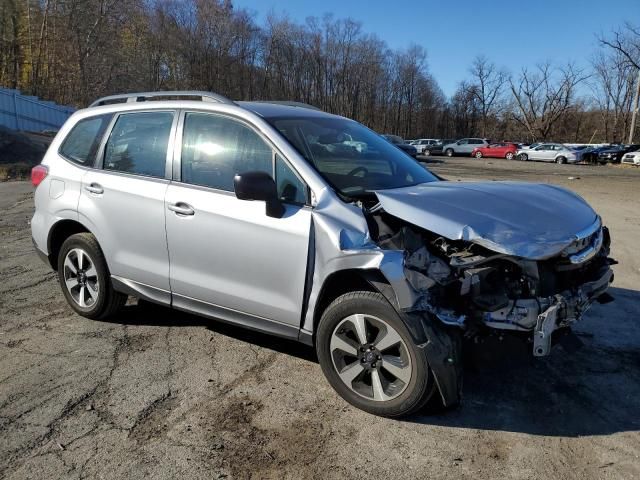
point(352, 159)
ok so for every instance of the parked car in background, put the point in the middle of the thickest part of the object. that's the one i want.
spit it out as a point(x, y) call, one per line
point(437, 148)
point(549, 152)
point(497, 150)
point(423, 144)
point(615, 154)
point(590, 154)
point(464, 146)
point(632, 158)
point(401, 144)
point(527, 146)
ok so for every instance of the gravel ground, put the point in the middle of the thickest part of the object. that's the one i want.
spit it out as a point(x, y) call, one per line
point(161, 394)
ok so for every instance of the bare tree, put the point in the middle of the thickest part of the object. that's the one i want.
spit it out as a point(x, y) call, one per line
point(488, 84)
point(543, 96)
point(612, 85)
point(626, 42)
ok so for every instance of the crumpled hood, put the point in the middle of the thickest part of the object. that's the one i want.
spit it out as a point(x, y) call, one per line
point(528, 220)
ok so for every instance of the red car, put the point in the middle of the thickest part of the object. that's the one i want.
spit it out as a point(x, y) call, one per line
point(498, 150)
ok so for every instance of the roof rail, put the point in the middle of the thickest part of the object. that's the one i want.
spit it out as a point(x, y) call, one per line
point(144, 96)
point(288, 103)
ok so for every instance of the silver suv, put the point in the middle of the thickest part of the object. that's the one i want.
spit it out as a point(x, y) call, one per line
point(288, 220)
point(464, 146)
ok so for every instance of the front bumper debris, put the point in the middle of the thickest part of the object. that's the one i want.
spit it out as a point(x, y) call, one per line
point(566, 309)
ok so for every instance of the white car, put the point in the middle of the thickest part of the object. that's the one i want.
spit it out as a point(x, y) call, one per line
point(549, 152)
point(632, 158)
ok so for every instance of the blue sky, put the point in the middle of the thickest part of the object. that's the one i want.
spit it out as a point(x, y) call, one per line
point(511, 33)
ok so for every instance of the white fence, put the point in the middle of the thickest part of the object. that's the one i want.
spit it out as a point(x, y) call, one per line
point(24, 112)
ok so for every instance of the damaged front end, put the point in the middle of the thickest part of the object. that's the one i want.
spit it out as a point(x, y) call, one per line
point(481, 261)
point(479, 291)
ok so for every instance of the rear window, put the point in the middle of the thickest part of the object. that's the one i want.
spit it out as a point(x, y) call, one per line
point(83, 141)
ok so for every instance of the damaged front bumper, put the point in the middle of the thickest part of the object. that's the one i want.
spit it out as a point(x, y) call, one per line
point(544, 315)
point(566, 309)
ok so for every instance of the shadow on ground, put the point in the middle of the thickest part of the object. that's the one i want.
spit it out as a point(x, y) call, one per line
point(592, 391)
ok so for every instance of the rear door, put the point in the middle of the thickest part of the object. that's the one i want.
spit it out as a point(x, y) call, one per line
point(473, 143)
point(228, 258)
point(501, 150)
point(539, 153)
point(462, 146)
point(492, 150)
point(122, 200)
point(549, 153)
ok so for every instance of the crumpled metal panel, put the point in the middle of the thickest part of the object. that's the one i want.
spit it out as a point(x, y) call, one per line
point(341, 240)
point(534, 221)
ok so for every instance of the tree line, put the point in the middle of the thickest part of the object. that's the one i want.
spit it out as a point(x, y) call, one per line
point(74, 51)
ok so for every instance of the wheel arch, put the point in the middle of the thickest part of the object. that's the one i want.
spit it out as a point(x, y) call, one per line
point(349, 280)
point(59, 232)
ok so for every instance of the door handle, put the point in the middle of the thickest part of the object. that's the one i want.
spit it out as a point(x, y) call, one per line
point(181, 208)
point(95, 188)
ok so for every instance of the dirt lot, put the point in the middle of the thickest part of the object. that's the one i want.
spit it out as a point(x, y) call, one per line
point(161, 394)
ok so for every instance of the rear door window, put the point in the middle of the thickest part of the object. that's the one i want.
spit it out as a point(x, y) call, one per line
point(138, 144)
point(82, 143)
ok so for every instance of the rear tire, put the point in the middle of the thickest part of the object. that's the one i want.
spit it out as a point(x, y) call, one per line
point(426, 152)
point(85, 279)
point(449, 152)
point(478, 154)
point(561, 160)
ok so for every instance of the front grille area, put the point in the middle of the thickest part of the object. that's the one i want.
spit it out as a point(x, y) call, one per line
point(583, 240)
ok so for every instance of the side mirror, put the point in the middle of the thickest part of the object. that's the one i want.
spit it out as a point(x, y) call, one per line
point(259, 186)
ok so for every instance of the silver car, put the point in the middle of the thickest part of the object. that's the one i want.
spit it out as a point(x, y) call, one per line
point(549, 152)
point(464, 146)
point(423, 144)
point(310, 226)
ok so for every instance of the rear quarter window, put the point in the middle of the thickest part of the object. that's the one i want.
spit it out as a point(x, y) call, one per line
point(82, 143)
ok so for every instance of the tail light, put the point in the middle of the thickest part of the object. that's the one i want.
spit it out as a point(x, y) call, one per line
point(38, 174)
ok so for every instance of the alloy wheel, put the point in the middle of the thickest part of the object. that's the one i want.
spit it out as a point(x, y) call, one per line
point(370, 357)
point(81, 278)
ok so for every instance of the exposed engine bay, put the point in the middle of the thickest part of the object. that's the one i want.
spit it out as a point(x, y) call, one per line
point(467, 285)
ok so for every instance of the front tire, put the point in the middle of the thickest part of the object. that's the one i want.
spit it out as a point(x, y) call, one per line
point(449, 152)
point(523, 157)
point(478, 154)
point(85, 279)
point(509, 156)
point(369, 357)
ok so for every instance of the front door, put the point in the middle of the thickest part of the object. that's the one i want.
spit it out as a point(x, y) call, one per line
point(227, 257)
